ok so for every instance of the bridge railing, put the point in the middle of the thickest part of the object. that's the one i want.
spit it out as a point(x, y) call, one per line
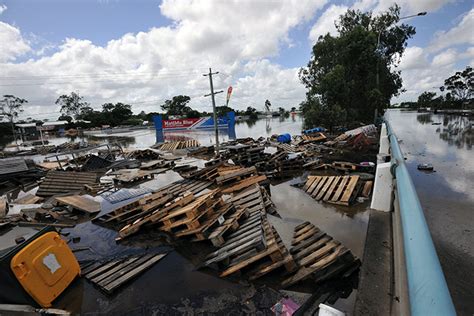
point(427, 289)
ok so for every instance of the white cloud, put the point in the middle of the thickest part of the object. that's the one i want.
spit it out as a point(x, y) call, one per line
point(2, 8)
point(447, 57)
point(13, 44)
point(326, 22)
point(413, 58)
point(463, 33)
point(411, 6)
point(149, 67)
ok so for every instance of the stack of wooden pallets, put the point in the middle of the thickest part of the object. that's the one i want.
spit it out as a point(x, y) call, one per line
point(254, 248)
point(318, 256)
point(145, 206)
point(247, 155)
point(340, 190)
point(256, 199)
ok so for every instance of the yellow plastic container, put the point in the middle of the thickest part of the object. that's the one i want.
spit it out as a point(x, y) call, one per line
point(45, 268)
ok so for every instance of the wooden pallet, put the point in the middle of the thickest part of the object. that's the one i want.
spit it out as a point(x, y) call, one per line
point(111, 275)
point(318, 256)
point(192, 215)
point(344, 166)
point(149, 204)
point(245, 183)
point(255, 247)
point(314, 137)
point(216, 224)
point(252, 199)
point(152, 215)
point(340, 190)
point(171, 146)
point(236, 175)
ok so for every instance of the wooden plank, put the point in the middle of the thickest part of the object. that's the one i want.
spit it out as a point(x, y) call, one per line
point(248, 261)
point(319, 186)
point(115, 284)
point(319, 253)
point(313, 230)
point(313, 185)
point(302, 225)
point(80, 202)
point(101, 269)
point(311, 248)
point(245, 183)
point(307, 242)
point(367, 188)
point(331, 188)
point(350, 187)
point(310, 181)
point(325, 188)
point(340, 189)
point(104, 275)
point(303, 230)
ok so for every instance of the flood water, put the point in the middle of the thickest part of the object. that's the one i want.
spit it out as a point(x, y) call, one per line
point(174, 285)
point(446, 195)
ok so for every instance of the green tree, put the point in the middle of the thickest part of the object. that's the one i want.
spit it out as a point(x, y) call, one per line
point(71, 104)
point(341, 76)
point(460, 86)
point(177, 105)
point(251, 113)
point(223, 110)
point(426, 99)
point(11, 106)
point(316, 114)
point(117, 114)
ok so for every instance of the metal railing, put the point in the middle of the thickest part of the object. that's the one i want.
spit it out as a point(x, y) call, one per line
point(427, 289)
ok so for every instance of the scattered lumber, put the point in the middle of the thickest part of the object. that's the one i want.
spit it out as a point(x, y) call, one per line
point(318, 256)
point(112, 274)
point(171, 146)
point(316, 137)
point(58, 182)
point(340, 190)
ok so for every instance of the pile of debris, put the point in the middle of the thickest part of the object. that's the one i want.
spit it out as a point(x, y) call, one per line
point(172, 146)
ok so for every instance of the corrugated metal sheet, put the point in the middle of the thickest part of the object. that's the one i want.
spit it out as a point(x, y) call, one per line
point(12, 165)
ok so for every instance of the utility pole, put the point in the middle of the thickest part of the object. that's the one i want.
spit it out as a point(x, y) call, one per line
point(216, 130)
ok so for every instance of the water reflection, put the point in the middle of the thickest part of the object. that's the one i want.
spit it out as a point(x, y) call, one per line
point(424, 118)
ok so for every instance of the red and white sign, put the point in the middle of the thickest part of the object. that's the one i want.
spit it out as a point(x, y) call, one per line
point(179, 123)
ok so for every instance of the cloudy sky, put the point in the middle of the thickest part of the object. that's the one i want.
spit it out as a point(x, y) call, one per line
point(143, 52)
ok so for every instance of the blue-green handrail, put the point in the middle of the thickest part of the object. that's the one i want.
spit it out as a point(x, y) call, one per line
point(428, 291)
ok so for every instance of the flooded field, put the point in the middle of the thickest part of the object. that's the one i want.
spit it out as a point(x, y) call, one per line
point(446, 195)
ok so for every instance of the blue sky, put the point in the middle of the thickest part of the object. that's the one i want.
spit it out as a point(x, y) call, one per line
point(256, 44)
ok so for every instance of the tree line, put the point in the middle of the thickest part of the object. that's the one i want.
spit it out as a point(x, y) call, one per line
point(76, 111)
point(456, 93)
point(353, 75)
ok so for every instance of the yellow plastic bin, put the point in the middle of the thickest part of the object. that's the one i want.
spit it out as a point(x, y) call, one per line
point(44, 266)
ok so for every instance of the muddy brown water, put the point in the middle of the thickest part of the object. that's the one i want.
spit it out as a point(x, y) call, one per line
point(446, 195)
